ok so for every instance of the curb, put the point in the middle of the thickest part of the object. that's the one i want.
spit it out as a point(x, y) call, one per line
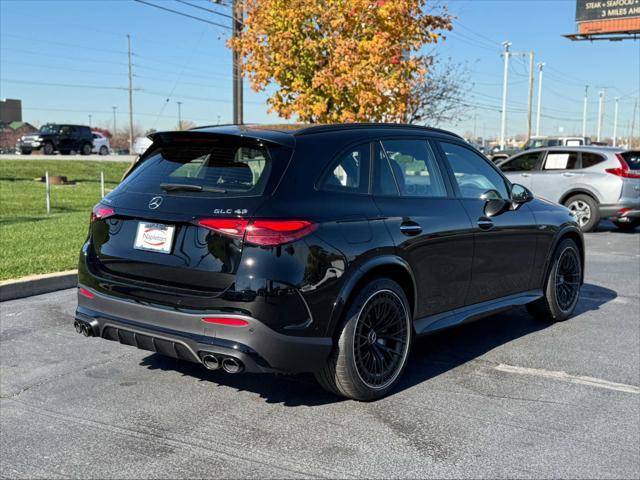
point(37, 284)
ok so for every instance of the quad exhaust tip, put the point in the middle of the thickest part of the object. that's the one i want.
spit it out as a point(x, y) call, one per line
point(211, 362)
point(231, 365)
point(88, 329)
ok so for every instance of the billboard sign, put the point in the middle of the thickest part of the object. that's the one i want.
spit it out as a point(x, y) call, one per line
point(597, 10)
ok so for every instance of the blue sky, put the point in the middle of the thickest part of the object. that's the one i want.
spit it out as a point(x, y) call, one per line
point(67, 60)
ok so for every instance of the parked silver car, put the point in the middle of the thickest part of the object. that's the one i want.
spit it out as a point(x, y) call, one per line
point(593, 182)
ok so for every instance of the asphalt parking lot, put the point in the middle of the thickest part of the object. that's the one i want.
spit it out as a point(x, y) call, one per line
point(503, 397)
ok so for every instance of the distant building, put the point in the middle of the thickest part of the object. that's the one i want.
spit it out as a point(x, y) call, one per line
point(10, 110)
point(11, 132)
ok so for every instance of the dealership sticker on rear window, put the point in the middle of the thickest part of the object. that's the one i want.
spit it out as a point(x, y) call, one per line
point(154, 237)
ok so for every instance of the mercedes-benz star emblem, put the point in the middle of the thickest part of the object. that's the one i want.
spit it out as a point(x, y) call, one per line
point(155, 202)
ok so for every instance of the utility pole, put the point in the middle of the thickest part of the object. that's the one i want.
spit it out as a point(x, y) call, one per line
point(179, 115)
point(130, 97)
point(114, 119)
point(90, 123)
point(584, 111)
point(600, 114)
point(615, 123)
point(530, 102)
point(505, 80)
point(633, 123)
point(540, 67)
point(475, 120)
point(237, 66)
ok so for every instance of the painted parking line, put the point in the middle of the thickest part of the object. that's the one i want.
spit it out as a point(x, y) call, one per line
point(566, 377)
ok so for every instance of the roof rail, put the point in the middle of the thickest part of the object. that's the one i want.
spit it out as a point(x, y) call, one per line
point(343, 126)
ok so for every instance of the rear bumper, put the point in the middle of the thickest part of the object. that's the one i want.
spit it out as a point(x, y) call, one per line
point(184, 335)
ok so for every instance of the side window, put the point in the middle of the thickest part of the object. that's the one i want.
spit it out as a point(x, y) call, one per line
point(415, 168)
point(590, 159)
point(350, 173)
point(561, 161)
point(474, 176)
point(66, 130)
point(523, 163)
point(95, 136)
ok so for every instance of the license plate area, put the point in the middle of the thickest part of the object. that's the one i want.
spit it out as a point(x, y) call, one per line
point(154, 237)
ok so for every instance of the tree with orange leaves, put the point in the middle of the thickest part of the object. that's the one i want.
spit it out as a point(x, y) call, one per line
point(338, 60)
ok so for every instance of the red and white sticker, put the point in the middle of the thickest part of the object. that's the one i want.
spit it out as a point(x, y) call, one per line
point(154, 237)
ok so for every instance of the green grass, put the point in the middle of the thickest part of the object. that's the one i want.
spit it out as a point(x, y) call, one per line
point(30, 240)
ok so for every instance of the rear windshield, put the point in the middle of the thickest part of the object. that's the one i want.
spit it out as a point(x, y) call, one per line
point(219, 168)
point(632, 158)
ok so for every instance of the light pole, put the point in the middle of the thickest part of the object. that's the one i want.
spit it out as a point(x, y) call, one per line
point(90, 119)
point(179, 115)
point(540, 68)
point(114, 119)
point(615, 123)
point(600, 113)
point(584, 112)
point(505, 80)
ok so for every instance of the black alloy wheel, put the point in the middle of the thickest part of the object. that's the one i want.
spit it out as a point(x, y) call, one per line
point(562, 285)
point(372, 343)
point(380, 339)
point(567, 281)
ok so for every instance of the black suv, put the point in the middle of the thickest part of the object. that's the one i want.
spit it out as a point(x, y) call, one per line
point(62, 138)
point(320, 249)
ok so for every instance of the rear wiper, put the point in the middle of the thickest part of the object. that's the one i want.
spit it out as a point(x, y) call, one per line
point(185, 187)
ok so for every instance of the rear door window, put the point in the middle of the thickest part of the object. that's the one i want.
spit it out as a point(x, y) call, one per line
point(350, 172)
point(217, 169)
point(561, 161)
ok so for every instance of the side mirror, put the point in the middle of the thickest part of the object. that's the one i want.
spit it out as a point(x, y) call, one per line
point(495, 206)
point(520, 195)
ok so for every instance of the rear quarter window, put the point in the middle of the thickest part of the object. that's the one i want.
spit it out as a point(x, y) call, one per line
point(591, 159)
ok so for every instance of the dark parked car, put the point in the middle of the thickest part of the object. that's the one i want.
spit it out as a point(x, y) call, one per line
point(61, 138)
point(323, 249)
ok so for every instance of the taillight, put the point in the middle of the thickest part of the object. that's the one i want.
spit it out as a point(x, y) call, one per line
point(623, 170)
point(277, 232)
point(100, 211)
point(228, 321)
point(84, 292)
point(260, 232)
point(234, 227)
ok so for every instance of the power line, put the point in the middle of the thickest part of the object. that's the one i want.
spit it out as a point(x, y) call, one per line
point(205, 9)
point(63, 85)
point(183, 14)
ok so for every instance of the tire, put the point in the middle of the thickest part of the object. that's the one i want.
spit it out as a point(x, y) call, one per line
point(25, 152)
point(47, 149)
point(627, 226)
point(562, 285)
point(86, 149)
point(586, 211)
point(362, 365)
point(104, 150)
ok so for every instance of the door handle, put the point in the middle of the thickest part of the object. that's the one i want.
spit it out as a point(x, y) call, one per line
point(410, 228)
point(485, 224)
point(567, 174)
point(524, 175)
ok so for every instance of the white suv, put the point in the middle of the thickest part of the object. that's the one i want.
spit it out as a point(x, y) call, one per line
point(100, 144)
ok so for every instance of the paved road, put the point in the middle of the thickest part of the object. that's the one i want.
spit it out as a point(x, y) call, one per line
point(97, 158)
point(504, 397)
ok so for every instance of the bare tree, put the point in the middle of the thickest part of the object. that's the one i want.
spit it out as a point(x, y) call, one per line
point(440, 98)
point(120, 138)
